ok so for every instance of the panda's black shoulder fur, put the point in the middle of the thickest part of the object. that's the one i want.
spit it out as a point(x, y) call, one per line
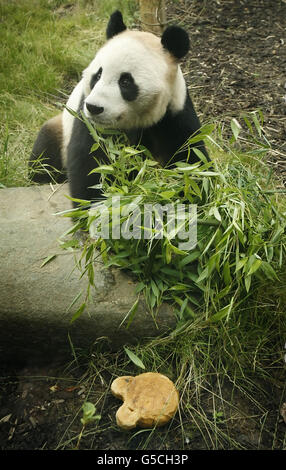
point(165, 138)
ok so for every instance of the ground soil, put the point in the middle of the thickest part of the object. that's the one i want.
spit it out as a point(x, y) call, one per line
point(237, 64)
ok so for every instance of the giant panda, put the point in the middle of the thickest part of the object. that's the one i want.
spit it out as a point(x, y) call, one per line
point(134, 84)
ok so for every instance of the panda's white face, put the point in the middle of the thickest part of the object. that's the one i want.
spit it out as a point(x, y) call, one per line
point(131, 82)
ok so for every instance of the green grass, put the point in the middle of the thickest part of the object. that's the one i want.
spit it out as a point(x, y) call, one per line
point(227, 371)
point(44, 47)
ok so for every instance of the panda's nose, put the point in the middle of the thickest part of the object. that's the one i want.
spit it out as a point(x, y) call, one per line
point(93, 109)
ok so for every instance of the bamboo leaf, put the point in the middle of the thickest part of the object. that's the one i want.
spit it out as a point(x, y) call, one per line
point(134, 358)
point(235, 127)
point(247, 282)
point(167, 194)
point(185, 307)
point(256, 123)
point(102, 169)
point(131, 313)
point(48, 260)
point(226, 273)
point(268, 270)
point(203, 275)
point(155, 289)
point(241, 263)
point(79, 312)
point(221, 314)
point(255, 265)
point(217, 214)
point(189, 259)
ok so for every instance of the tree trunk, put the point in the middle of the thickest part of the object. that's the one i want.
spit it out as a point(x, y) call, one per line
point(153, 15)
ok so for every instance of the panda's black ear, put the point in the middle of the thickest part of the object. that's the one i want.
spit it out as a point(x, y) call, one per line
point(115, 25)
point(176, 41)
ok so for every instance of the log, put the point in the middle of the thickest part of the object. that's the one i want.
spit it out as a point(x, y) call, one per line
point(36, 305)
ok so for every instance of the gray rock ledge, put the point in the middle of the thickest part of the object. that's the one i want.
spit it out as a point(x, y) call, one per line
point(35, 319)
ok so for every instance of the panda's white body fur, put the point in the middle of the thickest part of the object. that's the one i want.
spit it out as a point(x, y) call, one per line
point(134, 84)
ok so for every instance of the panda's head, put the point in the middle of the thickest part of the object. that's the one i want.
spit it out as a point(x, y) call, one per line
point(135, 77)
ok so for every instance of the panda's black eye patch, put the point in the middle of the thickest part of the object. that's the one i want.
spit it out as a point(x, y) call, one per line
point(95, 78)
point(128, 88)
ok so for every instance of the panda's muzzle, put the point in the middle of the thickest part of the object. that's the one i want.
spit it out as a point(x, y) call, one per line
point(93, 109)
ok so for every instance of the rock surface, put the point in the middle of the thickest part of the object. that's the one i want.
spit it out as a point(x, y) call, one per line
point(37, 302)
point(150, 399)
